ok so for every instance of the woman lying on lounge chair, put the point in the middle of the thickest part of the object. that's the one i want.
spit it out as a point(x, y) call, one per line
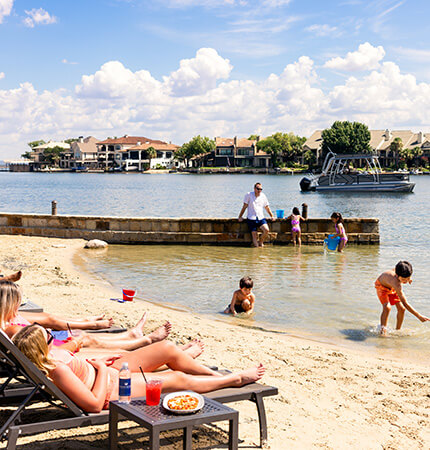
point(93, 383)
point(11, 323)
point(128, 340)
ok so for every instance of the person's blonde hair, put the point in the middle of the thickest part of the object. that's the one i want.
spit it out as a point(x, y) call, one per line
point(10, 299)
point(31, 340)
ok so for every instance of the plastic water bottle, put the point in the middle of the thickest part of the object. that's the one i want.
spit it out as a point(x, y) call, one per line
point(124, 384)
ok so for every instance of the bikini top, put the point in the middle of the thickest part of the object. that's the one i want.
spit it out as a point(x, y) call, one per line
point(80, 368)
point(295, 221)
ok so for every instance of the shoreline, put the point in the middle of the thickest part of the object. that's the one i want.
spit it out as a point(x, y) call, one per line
point(329, 397)
point(399, 355)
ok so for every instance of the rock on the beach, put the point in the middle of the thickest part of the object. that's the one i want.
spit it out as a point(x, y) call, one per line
point(96, 243)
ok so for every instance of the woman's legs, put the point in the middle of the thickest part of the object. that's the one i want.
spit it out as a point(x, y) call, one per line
point(163, 353)
point(129, 341)
point(176, 381)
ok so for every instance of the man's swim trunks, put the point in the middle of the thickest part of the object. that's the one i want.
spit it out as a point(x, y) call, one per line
point(385, 294)
point(254, 225)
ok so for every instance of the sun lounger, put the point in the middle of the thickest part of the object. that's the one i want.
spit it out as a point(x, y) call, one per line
point(40, 385)
point(31, 307)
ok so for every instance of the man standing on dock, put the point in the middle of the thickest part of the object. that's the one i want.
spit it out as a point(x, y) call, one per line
point(256, 202)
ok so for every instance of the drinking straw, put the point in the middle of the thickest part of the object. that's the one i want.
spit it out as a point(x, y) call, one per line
point(146, 381)
point(70, 330)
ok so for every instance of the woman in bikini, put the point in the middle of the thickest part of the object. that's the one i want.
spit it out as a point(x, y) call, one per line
point(339, 226)
point(11, 322)
point(296, 232)
point(91, 384)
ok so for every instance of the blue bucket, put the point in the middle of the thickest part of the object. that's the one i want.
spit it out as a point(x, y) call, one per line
point(332, 242)
point(280, 213)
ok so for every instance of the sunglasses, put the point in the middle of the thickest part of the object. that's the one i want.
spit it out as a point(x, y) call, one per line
point(259, 189)
point(50, 337)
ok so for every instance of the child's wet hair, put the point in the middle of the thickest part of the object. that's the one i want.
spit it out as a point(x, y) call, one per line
point(296, 211)
point(404, 269)
point(338, 216)
point(246, 282)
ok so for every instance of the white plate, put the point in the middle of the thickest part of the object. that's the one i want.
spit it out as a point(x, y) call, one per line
point(188, 411)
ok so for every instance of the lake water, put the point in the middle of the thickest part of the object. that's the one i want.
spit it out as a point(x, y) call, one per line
point(307, 292)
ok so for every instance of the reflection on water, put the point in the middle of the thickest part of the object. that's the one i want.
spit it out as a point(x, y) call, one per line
point(300, 290)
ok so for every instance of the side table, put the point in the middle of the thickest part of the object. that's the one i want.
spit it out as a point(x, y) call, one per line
point(156, 419)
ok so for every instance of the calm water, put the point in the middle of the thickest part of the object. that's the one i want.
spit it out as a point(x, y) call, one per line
point(308, 292)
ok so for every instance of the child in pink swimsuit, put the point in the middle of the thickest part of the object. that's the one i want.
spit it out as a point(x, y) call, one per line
point(337, 219)
point(296, 232)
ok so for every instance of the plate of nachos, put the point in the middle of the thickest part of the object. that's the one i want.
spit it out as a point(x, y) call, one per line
point(183, 402)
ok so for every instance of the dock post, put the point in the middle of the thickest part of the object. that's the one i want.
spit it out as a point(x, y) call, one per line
point(304, 210)
point(53, 208)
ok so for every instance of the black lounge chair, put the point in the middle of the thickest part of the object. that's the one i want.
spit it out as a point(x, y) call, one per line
point(41, 388)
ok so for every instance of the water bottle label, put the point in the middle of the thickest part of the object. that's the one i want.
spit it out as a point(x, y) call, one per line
point(125, 387)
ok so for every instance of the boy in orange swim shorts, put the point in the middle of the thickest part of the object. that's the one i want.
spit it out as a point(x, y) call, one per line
point(389, 290)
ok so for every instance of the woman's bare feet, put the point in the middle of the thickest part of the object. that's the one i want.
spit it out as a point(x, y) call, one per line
point(137, 331)
point(194, 348)
point(251, 375)
point(161, 332)
point(13, 277)
point(102, 324)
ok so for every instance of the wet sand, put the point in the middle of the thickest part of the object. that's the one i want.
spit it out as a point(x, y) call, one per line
point(329, 397)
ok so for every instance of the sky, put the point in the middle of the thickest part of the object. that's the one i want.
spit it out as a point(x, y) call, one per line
point(172, 69)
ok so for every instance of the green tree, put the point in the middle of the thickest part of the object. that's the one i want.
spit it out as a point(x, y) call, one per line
point(396, 148)
point(36, 143)
point(346, 137)
point(272, 147)
point(70, 140)
point(310, 158)
point(253, 137)
point(198, 145)
point(51, 156)
point(409, 155)
point(151, 153)
point(26, 155)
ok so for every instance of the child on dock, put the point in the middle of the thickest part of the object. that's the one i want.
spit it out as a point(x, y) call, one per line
point(296, 232)
point(389, 290)
point(243, 299)
point(337, 219)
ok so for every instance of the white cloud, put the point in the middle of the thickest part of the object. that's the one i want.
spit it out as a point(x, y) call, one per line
point(2, 75)
point(66, 61)
point(275, 3)
point(5, 8)
point(200, 99)
point(367, 57)
point(414, 54)
point(38, 17)
point(322, 30)
point(190, 3)
point(199, 74)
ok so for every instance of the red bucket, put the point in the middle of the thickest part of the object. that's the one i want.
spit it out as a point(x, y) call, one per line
point(128, 294)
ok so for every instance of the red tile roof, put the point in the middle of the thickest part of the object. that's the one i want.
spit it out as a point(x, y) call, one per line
point(131, 140)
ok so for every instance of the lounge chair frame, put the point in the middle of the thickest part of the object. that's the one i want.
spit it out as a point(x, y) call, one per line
point(40, 386)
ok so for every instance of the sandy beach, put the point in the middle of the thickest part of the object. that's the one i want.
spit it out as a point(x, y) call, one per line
point(329, 397)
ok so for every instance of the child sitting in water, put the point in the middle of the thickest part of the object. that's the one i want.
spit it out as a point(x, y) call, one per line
point(243, 299)
point(296, 232)
point(337, 219)
point(389, 290)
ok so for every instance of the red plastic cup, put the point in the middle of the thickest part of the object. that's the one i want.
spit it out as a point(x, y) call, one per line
point(153, 392)
point(128, 295)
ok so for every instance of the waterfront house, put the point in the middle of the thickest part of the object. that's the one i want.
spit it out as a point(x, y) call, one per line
point(239, 152)
point(137, 157)
point(111, 152)
point(84, 153)
point(37, 154)
point(380, 143)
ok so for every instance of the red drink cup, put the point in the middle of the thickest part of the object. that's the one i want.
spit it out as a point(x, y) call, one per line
point(153, 392)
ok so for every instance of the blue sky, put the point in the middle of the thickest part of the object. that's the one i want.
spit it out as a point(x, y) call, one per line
point(335, 53)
